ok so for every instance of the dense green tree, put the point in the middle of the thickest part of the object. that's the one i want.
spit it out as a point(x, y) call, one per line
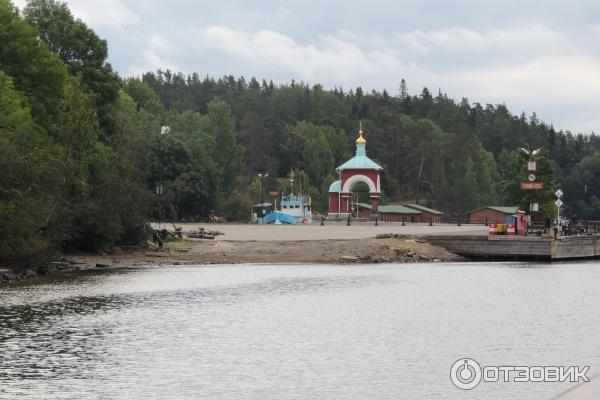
point(30, 182)
point(228, 153)
point(78, 46)
point(582, 188)
point(37, 72)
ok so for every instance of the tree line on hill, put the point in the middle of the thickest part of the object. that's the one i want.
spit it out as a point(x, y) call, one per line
point(85, 166)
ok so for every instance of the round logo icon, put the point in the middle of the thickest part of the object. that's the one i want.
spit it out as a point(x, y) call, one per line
point(465, 373)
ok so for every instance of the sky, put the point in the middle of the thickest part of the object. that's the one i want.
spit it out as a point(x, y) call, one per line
point(534, 56)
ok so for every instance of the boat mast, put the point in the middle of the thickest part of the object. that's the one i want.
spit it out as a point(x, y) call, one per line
point(294, 172)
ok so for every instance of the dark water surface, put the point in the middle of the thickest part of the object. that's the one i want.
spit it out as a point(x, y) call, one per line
point(295, 331)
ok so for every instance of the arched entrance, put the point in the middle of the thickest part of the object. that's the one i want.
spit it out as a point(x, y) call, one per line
point(359, 199)
point(359, 169)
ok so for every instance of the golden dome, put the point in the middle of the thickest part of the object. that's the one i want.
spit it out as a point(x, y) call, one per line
point(361, 139)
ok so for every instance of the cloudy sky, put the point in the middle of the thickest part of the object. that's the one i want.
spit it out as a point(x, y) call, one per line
point(541, 56)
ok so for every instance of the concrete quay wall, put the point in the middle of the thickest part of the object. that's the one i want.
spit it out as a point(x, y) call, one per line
point(520, 247)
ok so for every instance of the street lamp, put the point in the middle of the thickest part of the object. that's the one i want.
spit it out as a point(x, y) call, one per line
point(159, 186)
point(533, 153)
point(163, 131)
point(262, 190)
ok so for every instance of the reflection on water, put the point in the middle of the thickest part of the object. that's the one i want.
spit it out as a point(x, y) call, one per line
point(294, 331)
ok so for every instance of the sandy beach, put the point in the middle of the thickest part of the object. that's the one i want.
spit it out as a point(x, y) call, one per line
point(329, 231)
point(331, 243)
point(245, 243)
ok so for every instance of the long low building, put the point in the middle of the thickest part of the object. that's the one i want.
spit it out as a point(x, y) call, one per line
point(490, 214)
point(391, 213)
point(427, 214)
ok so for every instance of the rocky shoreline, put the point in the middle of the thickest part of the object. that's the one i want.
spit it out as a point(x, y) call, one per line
point(383, 249)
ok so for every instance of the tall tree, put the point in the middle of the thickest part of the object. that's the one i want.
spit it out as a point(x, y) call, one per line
point(36, 71)
point(228, 153)
point(78, 46)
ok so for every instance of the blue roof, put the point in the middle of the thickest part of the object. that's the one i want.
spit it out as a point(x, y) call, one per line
point(335, 187)
point(360, 161)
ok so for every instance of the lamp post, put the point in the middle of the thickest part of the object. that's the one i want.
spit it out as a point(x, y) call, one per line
point(262, 190)
point(164, 130)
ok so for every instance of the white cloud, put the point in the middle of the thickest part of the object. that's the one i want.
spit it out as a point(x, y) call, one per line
point(156, 55)
point(113, 14)
point(451, 39)
point(161, 43)
point(520, 40)
point(542, 81)
point(152, 61)
point(331, 58)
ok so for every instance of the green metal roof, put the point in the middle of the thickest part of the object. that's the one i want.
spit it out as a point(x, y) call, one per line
point(360, 160)
point(423, 208)
point(391, 209)
point(335, 187)
point(505, 210)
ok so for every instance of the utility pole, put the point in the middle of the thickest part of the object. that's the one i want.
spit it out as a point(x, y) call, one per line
point(164, 130)
point(262, 188)
point(419, 179)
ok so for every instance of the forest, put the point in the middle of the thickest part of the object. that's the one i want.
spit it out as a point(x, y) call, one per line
point(86, 167)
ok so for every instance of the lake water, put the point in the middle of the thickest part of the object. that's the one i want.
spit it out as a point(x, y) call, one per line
point(295, 331)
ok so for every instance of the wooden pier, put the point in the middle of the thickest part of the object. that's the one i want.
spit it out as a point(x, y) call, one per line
point(521, 247)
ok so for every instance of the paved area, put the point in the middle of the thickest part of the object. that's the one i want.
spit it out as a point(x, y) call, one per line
point(252, 232)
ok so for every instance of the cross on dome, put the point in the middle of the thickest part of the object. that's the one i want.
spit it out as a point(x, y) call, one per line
point(361, 139)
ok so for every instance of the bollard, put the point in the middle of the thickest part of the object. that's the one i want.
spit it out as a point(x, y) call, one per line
point(430, 221)
point(376, 224)
point(348, 224)
point(322, 219)
point(403, 222)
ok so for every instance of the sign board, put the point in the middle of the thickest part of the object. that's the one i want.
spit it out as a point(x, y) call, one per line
point(531, 166)
point(534, 207)
point(558, 193)
point(531, 178)
point(532, 185)
point(558, 203)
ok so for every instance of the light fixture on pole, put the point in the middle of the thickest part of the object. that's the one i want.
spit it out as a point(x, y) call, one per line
point(262, 189)
point(159, 186)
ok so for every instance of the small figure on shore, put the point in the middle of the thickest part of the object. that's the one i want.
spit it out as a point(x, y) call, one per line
point(157, 239)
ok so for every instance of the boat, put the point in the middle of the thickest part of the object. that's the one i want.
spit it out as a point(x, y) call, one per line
point(293, 209)
point(298, 207)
